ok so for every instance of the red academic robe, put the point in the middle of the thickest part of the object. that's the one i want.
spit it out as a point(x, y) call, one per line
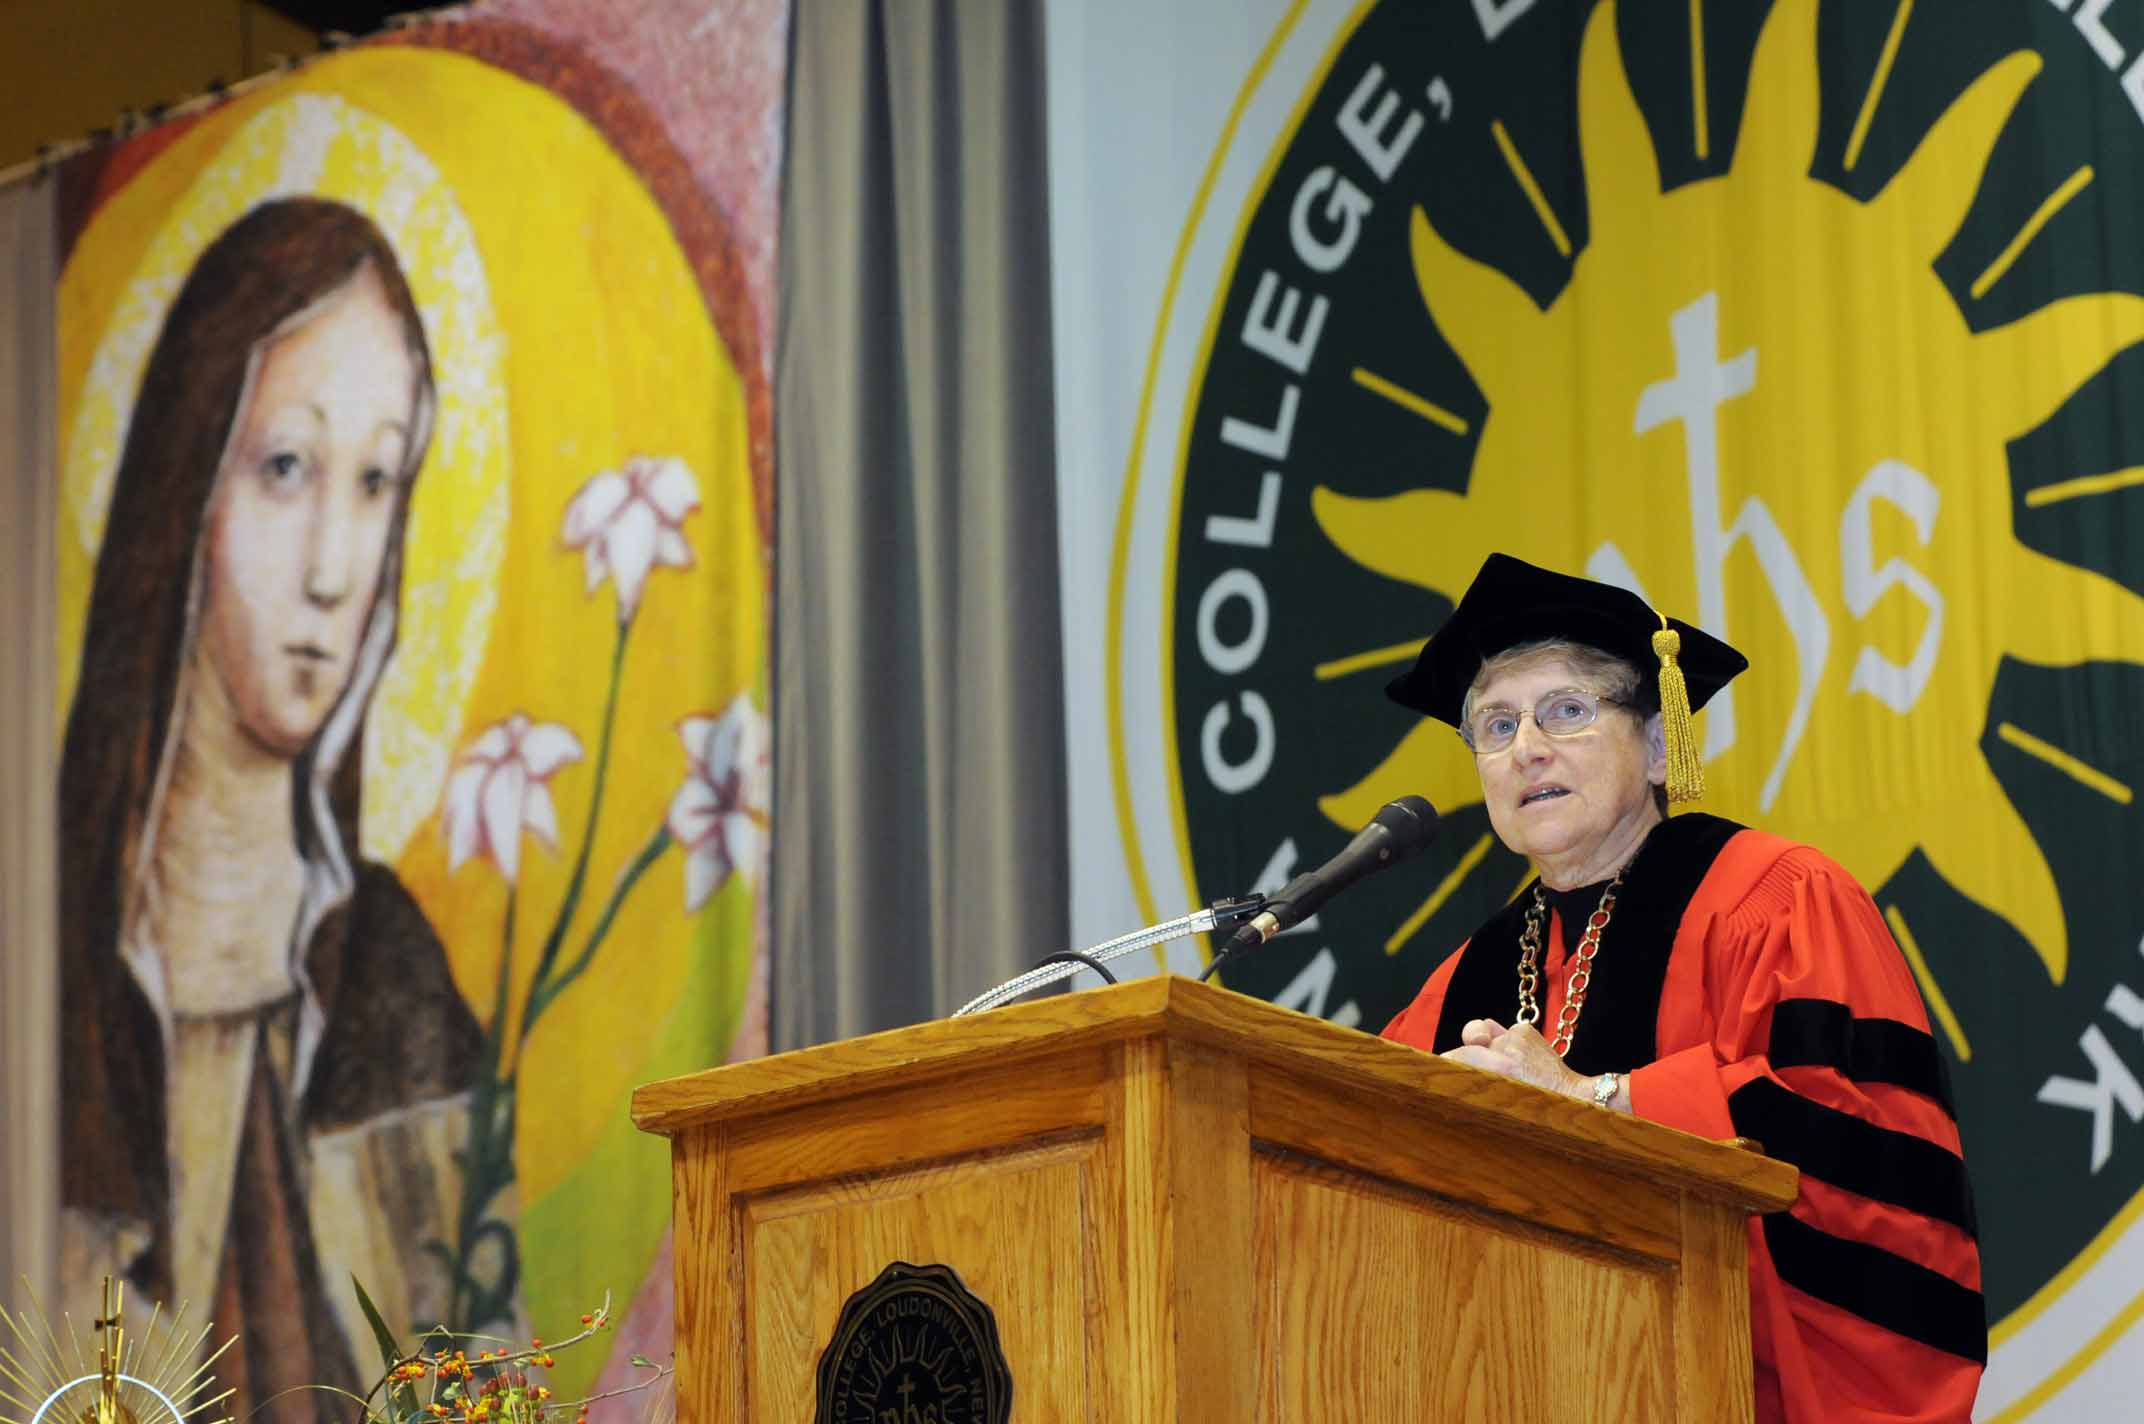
point(1749, 987)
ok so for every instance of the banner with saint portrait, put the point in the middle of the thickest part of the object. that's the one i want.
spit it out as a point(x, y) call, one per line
point(413, 536)
point(1818, 324)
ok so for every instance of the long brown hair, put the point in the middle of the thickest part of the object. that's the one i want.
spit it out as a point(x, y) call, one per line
point(255, 279)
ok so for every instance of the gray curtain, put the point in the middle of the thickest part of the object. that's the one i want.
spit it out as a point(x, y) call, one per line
point(920, 842)
point(29, 742)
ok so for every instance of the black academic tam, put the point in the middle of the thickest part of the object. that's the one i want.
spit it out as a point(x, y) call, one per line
point(1512, 602)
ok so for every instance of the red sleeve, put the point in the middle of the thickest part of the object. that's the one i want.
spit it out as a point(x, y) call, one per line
point(1416, 1025)
point(1789, 1016)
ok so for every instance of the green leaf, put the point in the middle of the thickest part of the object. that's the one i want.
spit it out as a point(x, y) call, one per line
point(401, 1398)
point(390, 1353)
point(644, 1362)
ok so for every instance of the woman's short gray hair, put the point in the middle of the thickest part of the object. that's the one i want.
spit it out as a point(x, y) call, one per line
point(1605, 673)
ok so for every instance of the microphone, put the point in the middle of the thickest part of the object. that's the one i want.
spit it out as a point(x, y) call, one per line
point(1399, 830)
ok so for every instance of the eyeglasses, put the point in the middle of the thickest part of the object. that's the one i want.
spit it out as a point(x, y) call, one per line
point(1562, 713)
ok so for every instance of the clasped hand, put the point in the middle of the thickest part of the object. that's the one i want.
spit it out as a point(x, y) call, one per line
point(1518, 1052)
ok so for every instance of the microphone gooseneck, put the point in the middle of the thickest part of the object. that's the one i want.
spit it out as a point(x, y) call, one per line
point(1063, 966)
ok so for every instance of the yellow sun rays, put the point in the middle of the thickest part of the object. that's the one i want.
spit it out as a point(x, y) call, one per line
point(1779, 124)
point(1363, 530)
point(1938, 1002)
point(2007, 258)
point(1877, 82)
point(1939, 179)
point(1444, 891)
point(2075, 768)
point(1483, 328)
point(1375, 657)
point(2057, 614)
point(1430, 761)
point(1407, 400)
point(1979, 843)
point(1532, 189)
point(2083, 486)
point(2044, 357)
point(1615, 148)
point(1700, 120)
point(1865, 372)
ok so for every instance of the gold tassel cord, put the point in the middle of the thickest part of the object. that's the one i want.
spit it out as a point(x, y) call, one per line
point(1686, 774)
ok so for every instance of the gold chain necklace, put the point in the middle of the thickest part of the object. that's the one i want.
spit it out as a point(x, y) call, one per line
point(1574, 988)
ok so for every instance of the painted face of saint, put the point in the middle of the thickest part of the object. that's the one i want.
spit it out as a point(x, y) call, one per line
point(305, 505)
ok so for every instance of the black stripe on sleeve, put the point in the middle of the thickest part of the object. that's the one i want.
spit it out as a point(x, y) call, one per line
point(1890, 1291)
point(1847, 1152)
point(1819, 1033)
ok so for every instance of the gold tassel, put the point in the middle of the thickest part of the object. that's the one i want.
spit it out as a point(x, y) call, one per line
point(1686, 774)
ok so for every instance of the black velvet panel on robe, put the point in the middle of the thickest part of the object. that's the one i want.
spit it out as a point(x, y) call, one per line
point(1616, 1031)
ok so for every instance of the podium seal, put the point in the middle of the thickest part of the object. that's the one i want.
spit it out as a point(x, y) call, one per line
point(914, 1347)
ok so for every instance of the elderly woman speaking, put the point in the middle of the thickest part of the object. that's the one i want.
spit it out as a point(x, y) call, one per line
point(1706, 976)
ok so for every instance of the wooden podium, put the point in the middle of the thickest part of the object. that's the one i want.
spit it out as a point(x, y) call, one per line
point(1183, 1204)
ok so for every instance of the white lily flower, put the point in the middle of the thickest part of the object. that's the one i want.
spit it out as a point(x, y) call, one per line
point(719, 815)
point(497, 792)
point(625, 522)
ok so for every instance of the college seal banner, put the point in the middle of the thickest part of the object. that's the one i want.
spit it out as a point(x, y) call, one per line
point(1815, 322)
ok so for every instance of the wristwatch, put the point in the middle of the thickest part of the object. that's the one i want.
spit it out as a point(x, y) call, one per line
point(1604, 1088)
